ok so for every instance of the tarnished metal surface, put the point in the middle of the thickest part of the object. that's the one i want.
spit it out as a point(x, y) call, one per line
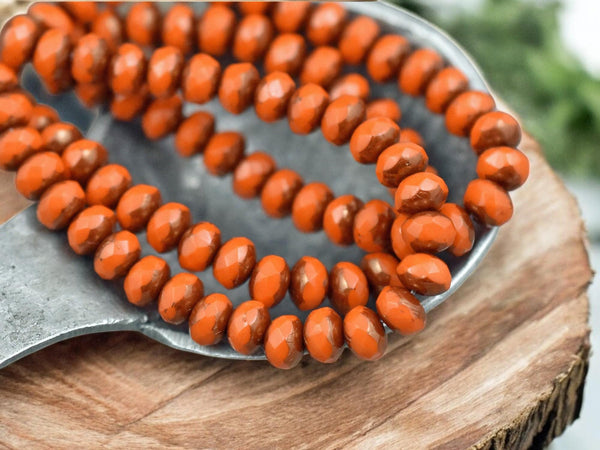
point(48, 294)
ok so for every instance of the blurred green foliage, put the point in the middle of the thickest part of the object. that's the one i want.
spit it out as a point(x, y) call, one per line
point(517, 44)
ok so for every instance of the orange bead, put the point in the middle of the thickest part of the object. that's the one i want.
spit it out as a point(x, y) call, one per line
point(178, 297)
point(179, 28)
point(425, 274)
point(91, 94)
point(193, 133)
point(504, 165)
point(223, 152)
point(83, 12)
point(372, 137)
point(443, 88)
point(247, 326)
point(290, 17)
point(252, 38)
point(365, 334)
point(142, 23)
point(285, 54)
point(380, 270)
point(495, 129)
point(284, 345)
point(386, 57)
point(326, 23)
point(107, 185)
point(488, 202)
point(269, 280)
point(162, 117)
point(208, 320)
point(164, 71)
point(322, 66)
point(357, 39)
point(418, 70)
point(279, 191)
point(215, 30)
point(254, 7)
point(238, 84)
point(167, 225)
point(350, 84)
point(15, 110)
point(42, 116)
point(8, 78)
point(145, 280)
point(59, 204)
point(372, 225)
point(348, 287)
point(421, 191)
point(399, 161)
point(109, 27)
point(428, 232)
point(309, 207)
point(198, 246)
point(18, 144)
point(400, 310)
point(252, 173)
point(324, 335)
point(51, 60)
point(306, 108)
point(234, 262)
point(17, 40)
point(273, 95)
point(90, 228)
point(137, 205)
point(309, 283)
point(200, 78)
point(127, 106)
point(338, 220)
point(89, 59)
point(83, 158)
point(384, 107)
point(52, 16)
point(38, 173)
point(399, 245)
point(127, 70)
point(410, 135)
point(58, 136)
point(465, 233)
point(341, 118)
point(466, 109)
point(116, 254)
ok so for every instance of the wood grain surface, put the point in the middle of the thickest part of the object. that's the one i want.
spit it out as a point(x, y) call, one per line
point(502, 364)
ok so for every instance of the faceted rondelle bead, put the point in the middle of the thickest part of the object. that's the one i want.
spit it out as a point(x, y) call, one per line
point(193, 133)
point(418, 70)
point(223, 152)
point(273, 95)
point(372, 137)
point(142, 23)
point(309, 283)
point(145, 280)
point(465, 109)
point(178, 297)
point(51, 60)
point(126, 107)
point(137, 205)
point(127, 69)
point(42, 116)
point(252, 38)
point(198, 246)
point(52, 16)
point(400, 310)
point(252, 173)
point(428, 232)
point(338, 220)
point(208, 320)
point(504, 165)
point(365, 334)
point(306, 108)
point(108, 25)
point(91, 94)
point(82, 12)
point(488, 202)
point(326, 23)
point(89, 59)
point(309, 207)
point(424, 273)
point(384, 107)
point(348, 287)
point(324, 335)
point(421, 191)
point(164, 71)
point(215, 30)
point(17, 40)
point(58, 136)
point(38, 173)
point(380, 270)
point(15, 110)
point(465, 232)
point(246, 8)
point(234, 262)
point(279, 192)
point(60, 203)
point(398, 161)
point(162, 117)
point(167, 225)
point(18, 144)
point(351, 84)
point(270, 280)
point(83, 158)
point(341, 118)
point(445, 87)
point(284, 343)
point(236, 91)
point(372, 225)
point(399, 245)
point(247, 326)
point(286, 54)
point(290, 17)
point(200, 79)
point(411, 135)
point(357, 38)
point(179, 28)
point(495, 129)
point(107, 185)
point(322, 66)
point(386, 57)
point(89, 228)
point(116, 254)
